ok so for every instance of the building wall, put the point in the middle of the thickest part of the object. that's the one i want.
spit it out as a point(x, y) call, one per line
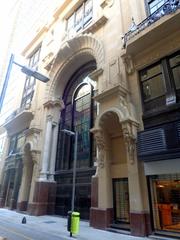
point(120, 110)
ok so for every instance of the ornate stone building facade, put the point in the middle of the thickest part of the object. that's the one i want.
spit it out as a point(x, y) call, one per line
point(107, 67)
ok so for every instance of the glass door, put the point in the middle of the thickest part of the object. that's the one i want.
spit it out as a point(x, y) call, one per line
point(165, 197)
point(121, 200)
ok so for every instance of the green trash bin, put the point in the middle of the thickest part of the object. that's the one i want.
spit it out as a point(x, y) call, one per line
point(75, 218)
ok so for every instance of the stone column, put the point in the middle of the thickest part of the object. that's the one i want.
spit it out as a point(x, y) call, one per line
point(25, 183)
point(17, 180)
point(4, 188)
point(46, 149)
point(138, 215)
point(101, 208)
point(53, 151)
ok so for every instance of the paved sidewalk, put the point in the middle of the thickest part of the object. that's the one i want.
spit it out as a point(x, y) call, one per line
point(58, 226)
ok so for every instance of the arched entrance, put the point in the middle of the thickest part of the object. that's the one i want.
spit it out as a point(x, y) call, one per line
point(111, 173)
point(76, 59)
point(78, 115)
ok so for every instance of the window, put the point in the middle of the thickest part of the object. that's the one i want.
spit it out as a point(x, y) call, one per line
point(81, 17)
point(30, 81)
point(155, 4)
point(160, 83)
point(78, 116)
point(16, 143)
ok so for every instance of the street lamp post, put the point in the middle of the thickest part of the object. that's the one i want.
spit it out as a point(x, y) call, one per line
point(26, 70)
point(75, 134)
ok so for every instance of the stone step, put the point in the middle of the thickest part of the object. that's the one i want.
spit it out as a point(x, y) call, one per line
point(121, 231)
point(158, 237)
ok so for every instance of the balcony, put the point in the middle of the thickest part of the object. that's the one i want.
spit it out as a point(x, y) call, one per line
point(18, 120)
point(159, 143)
point(162, 23)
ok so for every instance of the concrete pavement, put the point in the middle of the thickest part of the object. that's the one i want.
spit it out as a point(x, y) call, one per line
point(50, 227)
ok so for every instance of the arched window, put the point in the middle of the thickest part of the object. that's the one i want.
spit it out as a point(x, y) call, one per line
point(78, 116)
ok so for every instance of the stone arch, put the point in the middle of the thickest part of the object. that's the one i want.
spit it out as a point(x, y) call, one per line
point(71, 56)
point(121, 116)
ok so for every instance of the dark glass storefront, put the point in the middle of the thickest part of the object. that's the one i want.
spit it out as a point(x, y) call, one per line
point(165, 202)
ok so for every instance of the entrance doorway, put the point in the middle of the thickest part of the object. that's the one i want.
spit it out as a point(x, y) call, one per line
point(10, 187)
point(121, 202)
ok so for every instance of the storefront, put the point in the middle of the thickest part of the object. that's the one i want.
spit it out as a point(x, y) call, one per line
point(165, 201)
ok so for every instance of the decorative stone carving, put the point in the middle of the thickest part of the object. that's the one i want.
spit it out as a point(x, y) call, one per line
point(54, 103)
point(100, 141)
point(129, 133)
point(128, 62)
point(105, 3)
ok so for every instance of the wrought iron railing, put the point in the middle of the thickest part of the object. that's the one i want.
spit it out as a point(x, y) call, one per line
point(168, 7)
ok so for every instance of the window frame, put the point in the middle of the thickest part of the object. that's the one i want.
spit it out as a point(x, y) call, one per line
point(30, 82)
point(13, 143)
point(72, 88)
point(83, 23)
point(148, 2)
point(171, 93)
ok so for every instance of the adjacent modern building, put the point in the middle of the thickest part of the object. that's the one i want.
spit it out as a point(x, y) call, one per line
point(114, 69)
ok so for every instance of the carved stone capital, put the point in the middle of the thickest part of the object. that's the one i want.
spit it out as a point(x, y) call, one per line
point(100, 141)
point(54, 103)
point(49, 118)
point(129, 64)
point(129, 129)
point(35, 156)
point(105, 3)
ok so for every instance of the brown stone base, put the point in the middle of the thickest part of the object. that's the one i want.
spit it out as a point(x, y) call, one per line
point(2, 202)
point(101, 218)
point(22, 206)
point(44, 199)
point(13, 204)
point(140, 224)
point(94, 192)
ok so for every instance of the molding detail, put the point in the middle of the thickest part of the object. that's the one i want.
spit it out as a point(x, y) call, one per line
point(105, 3)
point(81, 45)
point(129, 129)
point(54, 103)
point(100, 141)
point(129, 64)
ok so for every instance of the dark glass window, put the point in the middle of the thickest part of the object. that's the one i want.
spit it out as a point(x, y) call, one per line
point(82, 121)
point(175, 66)
point(152, 83)
point(155, 4)
point(161, 82)
point(16, 143)
point(81, 17)
point(30, 81)
point(77, 116)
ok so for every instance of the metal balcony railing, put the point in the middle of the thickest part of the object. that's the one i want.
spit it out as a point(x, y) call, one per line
point(167, 8)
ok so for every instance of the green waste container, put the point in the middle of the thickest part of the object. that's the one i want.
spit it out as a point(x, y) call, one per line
point(75, 218)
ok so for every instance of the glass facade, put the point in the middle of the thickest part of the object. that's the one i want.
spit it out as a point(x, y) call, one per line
point(78, 115)
point(165, 200)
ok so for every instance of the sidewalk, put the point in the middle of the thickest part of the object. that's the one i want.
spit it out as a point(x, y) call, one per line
point(58, 226)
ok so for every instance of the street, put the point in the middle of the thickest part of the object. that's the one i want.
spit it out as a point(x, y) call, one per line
point(49, 228)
